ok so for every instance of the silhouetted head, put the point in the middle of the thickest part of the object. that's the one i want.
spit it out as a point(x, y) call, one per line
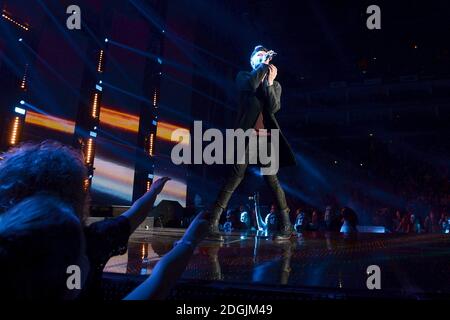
point(40, 238)
point(49, 167)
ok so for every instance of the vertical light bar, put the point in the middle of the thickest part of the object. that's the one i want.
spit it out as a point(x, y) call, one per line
point(23, 83)
point(149, 183)
point(15, 131)
point(95, 106)
point(150, 149)
point(86, 184)
point(100, 62)
point(155, 99)
point(89, 150)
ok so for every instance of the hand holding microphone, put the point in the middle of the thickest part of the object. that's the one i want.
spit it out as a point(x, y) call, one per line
point(269, 56)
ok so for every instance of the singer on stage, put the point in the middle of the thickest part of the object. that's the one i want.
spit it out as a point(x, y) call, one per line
point(259, 100)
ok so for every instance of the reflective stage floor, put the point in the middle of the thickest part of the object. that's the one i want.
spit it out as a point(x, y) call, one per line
point(411, 265)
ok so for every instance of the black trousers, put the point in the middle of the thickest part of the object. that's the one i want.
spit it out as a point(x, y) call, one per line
point(235, 176)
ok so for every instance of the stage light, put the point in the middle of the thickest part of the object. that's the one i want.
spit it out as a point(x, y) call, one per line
point(163, 31)
point(95, 127)
point(149, 183)
point(23, 84)
point(155, 123)
point(15, 131)
point(106, 40)
point(19, 110)
point(20, 39)
point(165, 131)
point(89, 150)
point(93, 134)
point(155, 99)
point(50, 122)
point(99, 88)
point(100, 62)
point(22, 102)
point(95, 106)
point(151, 176)
point(120, 120)
point(86, 184)
point(10, 19)
point(160, 61)
point(150, 149)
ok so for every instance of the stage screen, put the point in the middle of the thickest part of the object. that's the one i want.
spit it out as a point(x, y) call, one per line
point(52, 85)
point(117, 138)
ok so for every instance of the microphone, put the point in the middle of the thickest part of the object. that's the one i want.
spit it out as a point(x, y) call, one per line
point(270, 54)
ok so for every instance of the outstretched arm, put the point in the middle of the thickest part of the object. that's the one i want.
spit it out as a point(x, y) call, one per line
point(141, 207)
point(170, 268)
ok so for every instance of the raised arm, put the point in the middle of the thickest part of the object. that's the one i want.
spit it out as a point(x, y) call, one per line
point(141, 207)
point(249, 81)
point(274, 95)
point(170, 268)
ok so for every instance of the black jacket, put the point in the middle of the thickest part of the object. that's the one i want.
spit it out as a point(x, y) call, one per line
point(253, 99)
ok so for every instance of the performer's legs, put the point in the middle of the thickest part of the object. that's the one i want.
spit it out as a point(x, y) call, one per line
point(283, 210)
point(236, 175)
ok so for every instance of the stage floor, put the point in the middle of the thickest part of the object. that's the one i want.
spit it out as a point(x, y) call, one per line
point(410, 264)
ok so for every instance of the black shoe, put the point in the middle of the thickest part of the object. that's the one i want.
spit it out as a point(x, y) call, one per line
point(286, 229)
point(283, 236)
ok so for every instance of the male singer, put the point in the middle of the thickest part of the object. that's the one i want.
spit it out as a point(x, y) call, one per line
point(259, 100)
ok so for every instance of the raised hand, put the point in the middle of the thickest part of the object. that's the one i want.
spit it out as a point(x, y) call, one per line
point(273, 72)
point(158, 185)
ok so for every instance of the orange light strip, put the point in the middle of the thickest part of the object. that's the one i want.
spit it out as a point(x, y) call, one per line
point(149, 183)
point(100, 62)
point(119, 119)
point(23, 84)
point(14, 132)
point(155, 99)
point(10, 19)
point(95, 106)
point(50, 122)
point(89, 150)
point(165, 130)
point(86, 184)
point(150, 150)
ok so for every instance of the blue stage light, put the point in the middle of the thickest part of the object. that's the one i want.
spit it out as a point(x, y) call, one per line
point(20, 39)
point(20, 110)
point(22, 102)
point(106, 40)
